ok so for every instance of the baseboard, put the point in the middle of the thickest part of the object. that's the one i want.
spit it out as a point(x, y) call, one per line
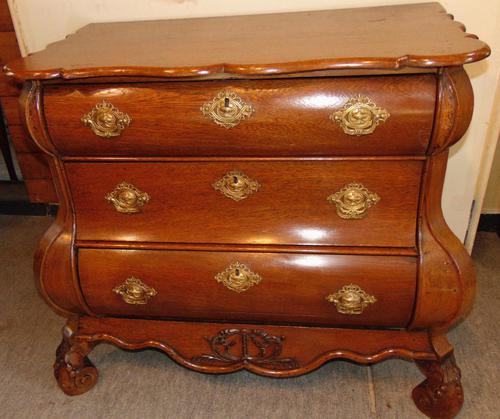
point(489, 222)
point(28, 208)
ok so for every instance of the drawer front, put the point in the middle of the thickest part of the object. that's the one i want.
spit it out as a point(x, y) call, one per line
point(309, 289)
point(285, 117)
point(297, 203)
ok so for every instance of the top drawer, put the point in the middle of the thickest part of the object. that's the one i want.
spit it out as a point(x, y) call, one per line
point(383, 115)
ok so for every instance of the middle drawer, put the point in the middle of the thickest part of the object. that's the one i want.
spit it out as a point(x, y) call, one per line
point(327, 202)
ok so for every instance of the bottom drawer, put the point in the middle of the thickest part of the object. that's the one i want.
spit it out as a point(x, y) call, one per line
point(250, 287)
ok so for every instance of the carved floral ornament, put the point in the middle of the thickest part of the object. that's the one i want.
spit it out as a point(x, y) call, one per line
point(227, 109)
point(236, 185)
point(246, 346)
point(238, 277)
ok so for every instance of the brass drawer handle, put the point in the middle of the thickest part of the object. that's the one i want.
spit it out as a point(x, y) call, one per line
point(353, 201)
point(127, 199)
point(236, 185)
point(351, 299)
point(360, 116)
point(227, 109)
point(134, 291)
point(106, 120)
point(238, 277)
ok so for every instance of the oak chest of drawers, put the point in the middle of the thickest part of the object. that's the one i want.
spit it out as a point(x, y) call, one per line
point(257, 192)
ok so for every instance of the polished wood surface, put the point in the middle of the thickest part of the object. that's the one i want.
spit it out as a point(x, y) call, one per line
point(446, 295)
point(187, 289)
point(186, 231)
point(300, 350)
point(5, 20)
point(290, 207)
point(377, 37)
point(292, 117)
point(441, 395)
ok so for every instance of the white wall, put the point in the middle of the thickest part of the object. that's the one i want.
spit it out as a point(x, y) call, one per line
point(491, 203)
point(40, 22)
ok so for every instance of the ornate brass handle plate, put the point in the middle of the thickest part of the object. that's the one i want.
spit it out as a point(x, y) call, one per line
point(238, 277)
point(353, 201)
point(106, 120)
point(227, 109)
point(134, 291)
point(127, 199)
point(359, 116)
point(236, 185)
point(351, 299)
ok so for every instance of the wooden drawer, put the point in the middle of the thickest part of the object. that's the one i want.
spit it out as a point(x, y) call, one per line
point(291, 117)
point(290, 206)
point(290, 287)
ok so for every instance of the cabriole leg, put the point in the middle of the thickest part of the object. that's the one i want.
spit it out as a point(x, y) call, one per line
point(441, 395)
point(74, 372)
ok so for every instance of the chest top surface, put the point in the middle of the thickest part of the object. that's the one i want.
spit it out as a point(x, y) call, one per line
point(389, 37)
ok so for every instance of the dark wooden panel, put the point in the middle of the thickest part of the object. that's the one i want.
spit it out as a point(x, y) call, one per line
point(293, 287)
point(10, 109)
point(21, 140)
point(290, 207)
point(33, 166)
point(292, 117)
point(8, 86)
point(5, 19)
point(8, 47)
point(41, 190)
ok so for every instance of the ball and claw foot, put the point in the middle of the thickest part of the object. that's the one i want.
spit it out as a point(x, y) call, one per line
point(74, 372)
point(441, 395)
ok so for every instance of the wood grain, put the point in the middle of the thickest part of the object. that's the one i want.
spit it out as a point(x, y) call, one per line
point(310, 347)
point(292, 117)
point(377, 37)
point(441, 395)
point(291, 206)
point(186, 286)
point(34, 166)
point(21, 141)
point(8, 47)
point(41, 191)
point(286, 231)
point(5, 20)
point(54, 261)
point(446, 295)
point(10, 109)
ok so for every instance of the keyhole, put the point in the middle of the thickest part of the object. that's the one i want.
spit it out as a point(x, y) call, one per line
point(235, 180)
point(237, 272)
point(226, 102)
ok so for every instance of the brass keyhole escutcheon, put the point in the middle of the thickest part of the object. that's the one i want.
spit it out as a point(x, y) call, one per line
point(227, 109)
point(134, 291)
point(238, 277)
point(105, 120)
point(236, 185)
point(351, 299)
